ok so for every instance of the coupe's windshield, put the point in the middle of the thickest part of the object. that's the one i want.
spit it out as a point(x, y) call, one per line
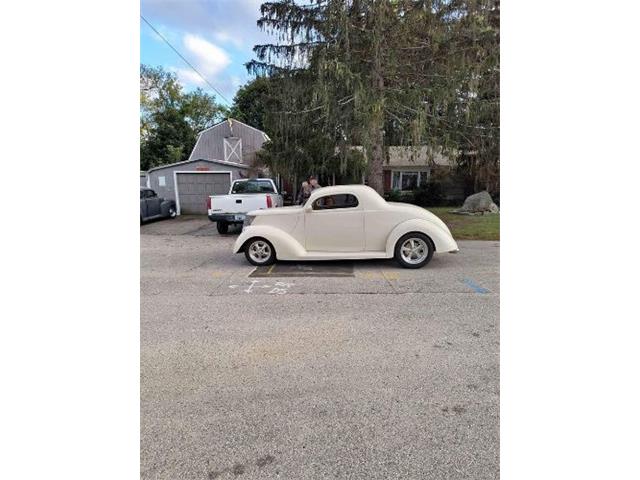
point(253, 186)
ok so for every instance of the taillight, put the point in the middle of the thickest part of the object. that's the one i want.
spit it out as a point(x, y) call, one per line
point(269, 203)
point(208, 203)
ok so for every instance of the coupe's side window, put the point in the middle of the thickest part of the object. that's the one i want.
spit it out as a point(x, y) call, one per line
point(147, 194)
point(330, 202)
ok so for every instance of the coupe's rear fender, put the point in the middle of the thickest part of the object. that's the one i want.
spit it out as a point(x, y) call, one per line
point(287, 248)
point(442, 240)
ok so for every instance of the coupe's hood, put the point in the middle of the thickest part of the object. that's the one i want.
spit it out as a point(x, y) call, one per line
point(277, 211)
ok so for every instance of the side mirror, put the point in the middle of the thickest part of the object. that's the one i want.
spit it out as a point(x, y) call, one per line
point(308, 209)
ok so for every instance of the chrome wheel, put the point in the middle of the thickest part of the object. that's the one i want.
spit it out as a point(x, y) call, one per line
point(414, 250)
point(260, 251)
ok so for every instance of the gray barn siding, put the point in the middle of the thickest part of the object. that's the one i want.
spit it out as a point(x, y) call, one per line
point(169, 191)
point(210, 144)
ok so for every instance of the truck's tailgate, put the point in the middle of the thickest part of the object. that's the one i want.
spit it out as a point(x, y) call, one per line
point(238, 203)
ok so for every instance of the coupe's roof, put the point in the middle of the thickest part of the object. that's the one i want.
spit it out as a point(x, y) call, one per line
point(356, 188)
point(366, 194)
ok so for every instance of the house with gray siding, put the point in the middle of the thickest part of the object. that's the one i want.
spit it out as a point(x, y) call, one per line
point(223, 153)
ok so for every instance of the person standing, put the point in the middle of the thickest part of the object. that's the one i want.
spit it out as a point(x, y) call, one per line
point(304, 193)
point(307, 187)
point(313, 182)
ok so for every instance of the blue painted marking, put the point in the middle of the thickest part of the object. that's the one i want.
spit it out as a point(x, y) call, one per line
point(470, 283)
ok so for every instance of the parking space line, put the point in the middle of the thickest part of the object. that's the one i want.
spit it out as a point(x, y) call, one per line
point(303, 270)
point(390, 275)
point(471, 284)
point(391, 285)
point(371, 276)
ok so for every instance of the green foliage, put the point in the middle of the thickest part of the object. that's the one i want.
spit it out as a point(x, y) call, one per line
point(251, 103)
point(470, 227)
point(429, 195)
point(394, 195)
point(170, 119)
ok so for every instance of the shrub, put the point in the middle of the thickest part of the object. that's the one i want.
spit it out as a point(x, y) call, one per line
point(430, 195)
point(393, 196)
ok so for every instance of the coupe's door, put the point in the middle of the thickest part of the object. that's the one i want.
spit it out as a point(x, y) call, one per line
point(153, 204)
point(335, 223)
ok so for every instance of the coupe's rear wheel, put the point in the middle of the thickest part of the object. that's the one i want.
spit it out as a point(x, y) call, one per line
point(172, 212)
point(414, 250)
point(259, 252)
point(223, 227)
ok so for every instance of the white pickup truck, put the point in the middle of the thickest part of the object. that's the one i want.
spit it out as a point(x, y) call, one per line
point(244, 196)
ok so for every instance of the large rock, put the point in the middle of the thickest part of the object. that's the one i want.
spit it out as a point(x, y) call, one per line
point(480, 202)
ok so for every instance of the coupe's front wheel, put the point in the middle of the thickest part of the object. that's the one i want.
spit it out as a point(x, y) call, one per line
point(414, 250)
point(172, 212)
point(259, 252)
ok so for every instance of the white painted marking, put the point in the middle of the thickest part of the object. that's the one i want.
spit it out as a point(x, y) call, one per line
point(280, 288)
point(253, 282)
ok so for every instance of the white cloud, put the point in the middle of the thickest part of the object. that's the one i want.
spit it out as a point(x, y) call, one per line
point(228, 21)
point(189, 77)
point(209, 58)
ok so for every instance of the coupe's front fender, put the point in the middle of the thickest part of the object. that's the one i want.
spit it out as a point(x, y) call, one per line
point(442, 239)
point(166, 205)
point(287, 247)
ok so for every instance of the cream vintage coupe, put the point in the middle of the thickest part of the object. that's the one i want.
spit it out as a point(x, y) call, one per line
point(345, 222)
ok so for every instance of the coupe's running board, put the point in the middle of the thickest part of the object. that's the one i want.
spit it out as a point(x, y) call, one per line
point(339, 256)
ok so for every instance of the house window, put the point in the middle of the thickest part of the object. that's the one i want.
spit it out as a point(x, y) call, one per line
point(407, 181)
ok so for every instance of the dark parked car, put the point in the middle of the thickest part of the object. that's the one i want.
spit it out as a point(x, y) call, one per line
point(152, 206)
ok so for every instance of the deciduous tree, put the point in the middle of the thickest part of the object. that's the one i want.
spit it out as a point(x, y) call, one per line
point(170, 118)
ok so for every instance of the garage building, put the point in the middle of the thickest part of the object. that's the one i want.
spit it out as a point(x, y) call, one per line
point(191, 182)
point(223, 153)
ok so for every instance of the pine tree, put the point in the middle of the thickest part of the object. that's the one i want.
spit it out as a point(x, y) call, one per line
point(381, 72)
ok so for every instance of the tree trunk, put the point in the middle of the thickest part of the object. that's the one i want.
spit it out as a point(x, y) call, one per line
point(376, 175)
point(376, 123)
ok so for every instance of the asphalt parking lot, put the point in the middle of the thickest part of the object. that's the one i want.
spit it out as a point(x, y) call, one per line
point(376, 372)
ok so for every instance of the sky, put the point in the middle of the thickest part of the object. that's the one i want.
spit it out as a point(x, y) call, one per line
point(215, 36)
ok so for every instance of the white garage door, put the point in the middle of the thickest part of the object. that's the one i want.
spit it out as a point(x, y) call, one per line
point(195, 187)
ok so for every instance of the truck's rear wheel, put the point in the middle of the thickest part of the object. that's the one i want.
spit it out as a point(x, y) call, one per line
point(223, 227)
point(259, 252)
